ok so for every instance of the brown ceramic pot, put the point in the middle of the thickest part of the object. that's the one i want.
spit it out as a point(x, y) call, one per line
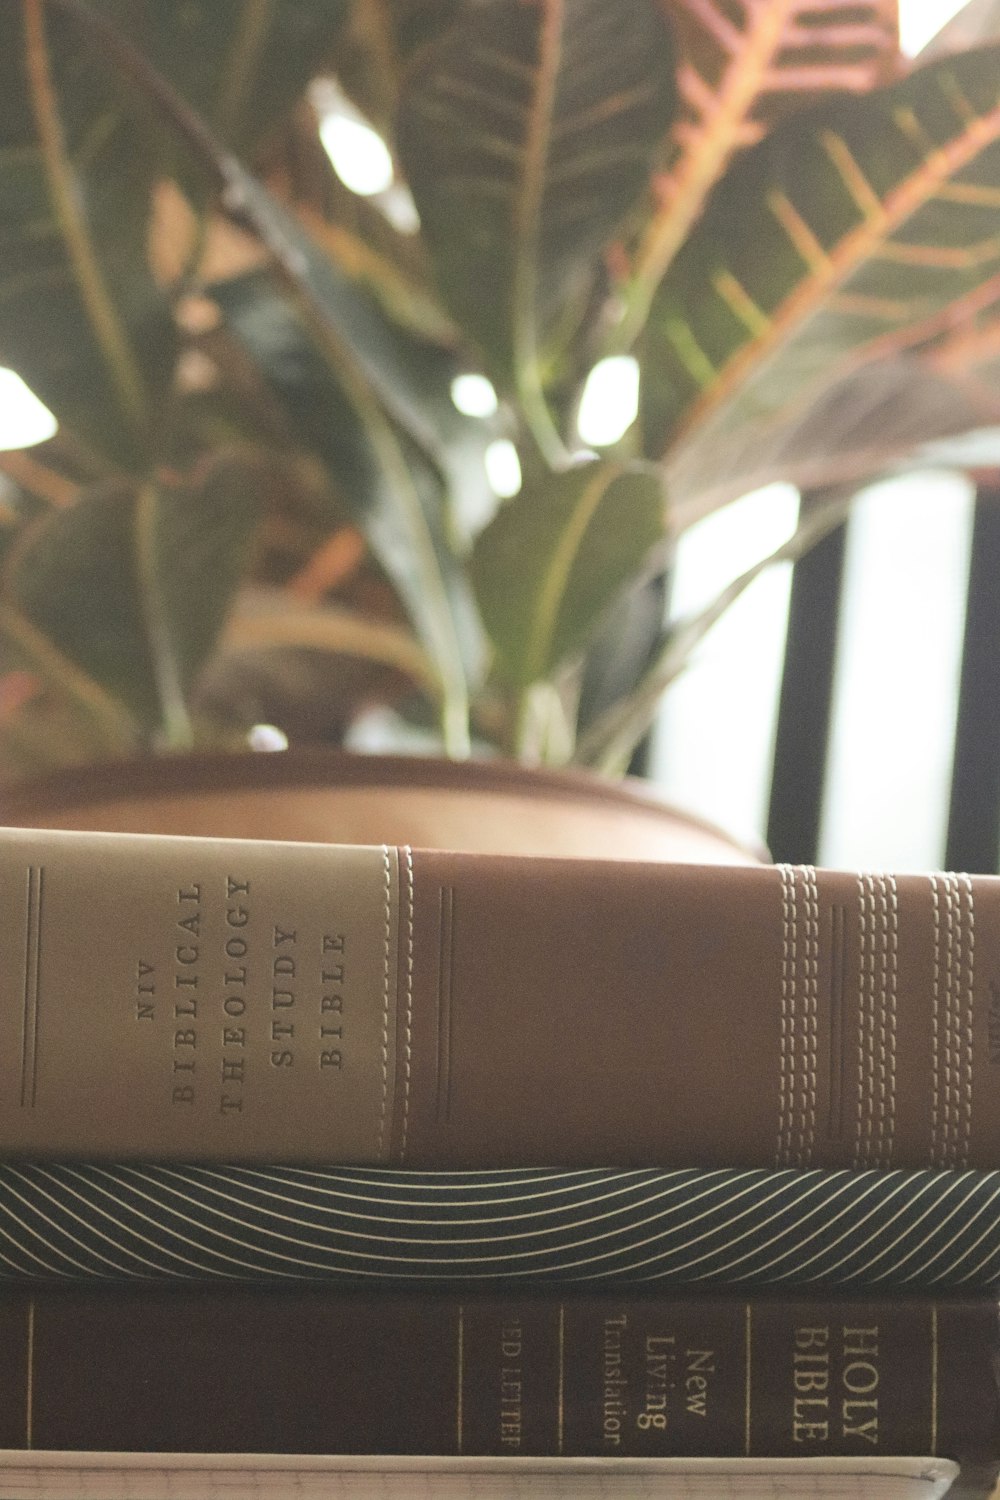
point(328, 796)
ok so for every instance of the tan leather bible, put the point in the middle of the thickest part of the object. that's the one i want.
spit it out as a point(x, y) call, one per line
point(211, 999)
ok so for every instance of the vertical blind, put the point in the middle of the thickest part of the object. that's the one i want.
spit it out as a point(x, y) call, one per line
point(847, 711)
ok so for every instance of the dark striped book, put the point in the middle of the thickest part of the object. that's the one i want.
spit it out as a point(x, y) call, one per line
point(916, 1231)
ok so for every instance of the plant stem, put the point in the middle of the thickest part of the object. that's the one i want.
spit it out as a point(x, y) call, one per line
point(178, 732)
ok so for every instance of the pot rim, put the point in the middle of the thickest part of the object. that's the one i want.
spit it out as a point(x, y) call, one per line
point(316, 767)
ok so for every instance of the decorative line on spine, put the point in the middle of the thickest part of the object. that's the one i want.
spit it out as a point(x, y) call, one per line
point(442, 1101)
point(32, 966)
point(967, 907)
point(747, 1388)
point(386, 956)
point(934, 1377)
point(408, 1038)
point(460, 1382)
point(953, 1054)
point(29, 1392)
point(561, 1408)
point(866, 1040)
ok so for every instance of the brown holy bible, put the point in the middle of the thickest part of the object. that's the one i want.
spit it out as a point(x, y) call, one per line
point(210, 999)
point(607, 1375)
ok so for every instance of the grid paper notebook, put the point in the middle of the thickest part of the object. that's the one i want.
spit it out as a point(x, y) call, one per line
point(67, 1476)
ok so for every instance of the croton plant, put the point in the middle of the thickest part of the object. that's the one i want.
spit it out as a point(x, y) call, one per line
point(262, 502)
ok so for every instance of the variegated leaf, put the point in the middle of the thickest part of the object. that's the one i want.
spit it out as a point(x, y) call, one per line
point(742, 66)
point(878, 418)
point(829, 242)
point(526, 132)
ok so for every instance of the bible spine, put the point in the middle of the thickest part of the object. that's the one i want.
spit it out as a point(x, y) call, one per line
point(189, 999)
point(611, 1375)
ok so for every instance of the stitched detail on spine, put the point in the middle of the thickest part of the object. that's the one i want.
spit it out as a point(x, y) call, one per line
point(788, 981)
point(937, 1102)
point(968, 925)
point(953, 1059)
point(807, 1125)
point(886, 1001)
point(952, 1004)
point(865, 1045)
point(386, 955)
point(408, 1043)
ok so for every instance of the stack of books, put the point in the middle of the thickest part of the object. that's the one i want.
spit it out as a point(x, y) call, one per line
point(376, 1171)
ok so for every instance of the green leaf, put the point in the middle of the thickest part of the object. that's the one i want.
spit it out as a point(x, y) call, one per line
point(384, 462)
point(622, 648)
point(92, 717)
point(610, 740)
point(241, 64)
point(80, 316)
point(553, 560)
point(384, 35)
point(824, 248)
point(526, 133)
point(133, 586)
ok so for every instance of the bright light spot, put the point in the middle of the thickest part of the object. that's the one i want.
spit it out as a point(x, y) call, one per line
point(358, 153)
point(399, 208)
point(24, 421)
point(503, 468)
point(610, 401)
point(474, 395)
point(919, 20)
point(267, 737)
